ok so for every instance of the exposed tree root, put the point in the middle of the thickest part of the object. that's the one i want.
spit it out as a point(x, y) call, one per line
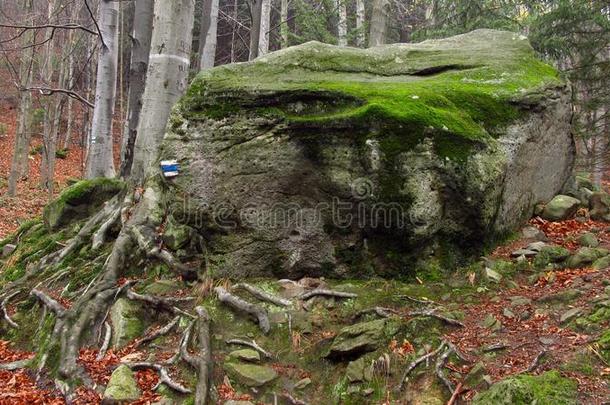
point(382, 312)
point(51, 303)
point(162, 303)
point(164, 377)
point(417, 362)
point(15, 365)
point(183, 352)
point(4, 310)
point(263, 296)
point(326, 293)
point(145, 238)
point(160, 332)
point(101, 235)
point(418, 300)
point(440, 365)
point(106, 343)
point(205, 358)
point(251, 344)
point(243, 306)
point(432, 313)
point(293, 400)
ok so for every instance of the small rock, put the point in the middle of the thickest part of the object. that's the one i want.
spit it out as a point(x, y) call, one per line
point(524, 252)
point(569, 315)
point(564, 296)
point(368, 392)
point(358, 338)
point(122, 386)
point(531, 232)
point(508, 313)
point(518, 300)
point(491, 322)
point(547, 340)
point(560, 207)
point(588, 239)
point(126, 317)
point(492, 275)
point(359, 370)
point(290, 289)
point(251, 375)
point(8, 250)
point(475, 378)
point(536, 246)
point(585, 256)
point(249, 355)
point(601, 263)
point(301, 384)
point(525, 315)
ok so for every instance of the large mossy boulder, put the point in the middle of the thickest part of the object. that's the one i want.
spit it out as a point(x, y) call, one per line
point(549, 388)
point(325, 160)
point(79, 201)
point(358, 338)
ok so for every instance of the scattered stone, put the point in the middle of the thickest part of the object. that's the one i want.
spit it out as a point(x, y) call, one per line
point(492, 275)
point(122, 386)
point(569, 315)
point(508, 313)
point(588, 239)
point(551, 254)
point(359, 338)
point(536, 246)
point(561, 207)
point(564, 296)
point(531, 232)
point(585, 256)
point(248, 355)
point(547, 340)
point(301, 384)
point(601, 263)
point(524, 252)
point(8, 250)
point(475, 378)
point(164, 287)
point(583, 181)
point(599, 206)
point(251, 375)
point(491, 322)
point(525, 315)
point(359, 370)
point(127, 323)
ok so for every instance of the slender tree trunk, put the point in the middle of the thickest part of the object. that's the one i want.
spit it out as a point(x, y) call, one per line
point(263, 38)
point(208, 35)
point(360, 14)
point(140, 52)
point(342, 24)
point(379, 21)
point(255, 28)
point(284, 29)
point(70, 101)
point(99, 161)
point(22, 137)
point(234, 29)
point(166, 80)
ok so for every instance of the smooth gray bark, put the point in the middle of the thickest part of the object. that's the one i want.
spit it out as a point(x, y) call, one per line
point(140, 51)
point(263, 38)
point(100, 161)
point(166, 80)
point(379, 20)
point(208, 35)
point(342, 24)
point(360, 15)
point(284, 29)
point(255, 28)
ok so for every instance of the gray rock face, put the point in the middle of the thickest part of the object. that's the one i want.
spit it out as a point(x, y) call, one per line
point(338, 156)
point(359, 338)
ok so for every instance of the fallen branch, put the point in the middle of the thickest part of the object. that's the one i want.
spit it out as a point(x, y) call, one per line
point(433, 314)
point(417, 362)
point(244, 306)
point(4, 310)
point(293, 400)
point(456, 394)
point(104, 348)
point(204, 379)
point(51, 303)
point(252, 345)
point(534, 365)
point(327, 293)
point(262, 295)
point(164, 377)
point(440, 364)
point(15, 365)
point(160, 332)
point(494, 347)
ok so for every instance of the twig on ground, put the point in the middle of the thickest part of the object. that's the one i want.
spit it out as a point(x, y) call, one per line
point(160, 332)
point(456, 394)
point(536, 362)
point(263, 295)
point(3, 308)
point(326, 293)
point(244, 306)
point(440, 364)
point(379, 311)
point(252, 345)
point(104, 348)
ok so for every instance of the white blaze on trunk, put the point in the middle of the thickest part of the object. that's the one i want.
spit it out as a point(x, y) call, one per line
point(379, 20)
point(99, 159)
point(263, 38)
point(166, 80)
point(208, 38)
point(342, 25)
point(360, 23)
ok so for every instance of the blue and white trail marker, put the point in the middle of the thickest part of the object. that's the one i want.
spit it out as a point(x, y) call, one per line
point(170, 168)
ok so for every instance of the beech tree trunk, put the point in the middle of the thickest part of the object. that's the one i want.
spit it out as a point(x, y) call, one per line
point(342, 24)
point(208, 35)
point(379, 20)
point(166, 80)
point(284, 22)
point(255, 28)
point(99, 160)
point(140, 51)
point(360, 14)
point(263, 38)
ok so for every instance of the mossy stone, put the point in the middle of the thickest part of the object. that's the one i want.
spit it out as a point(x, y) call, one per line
point(359, 370)
point(359, 338)
point(80, 201)
point(251, 375)
point(122, 385)
point(177, 236)
point(601, 263)
point(549, 388)
point(127, 322)
point(560, 207)
point(248, 355)
point(163, 287)
point(585, 256)
point(588, 239)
